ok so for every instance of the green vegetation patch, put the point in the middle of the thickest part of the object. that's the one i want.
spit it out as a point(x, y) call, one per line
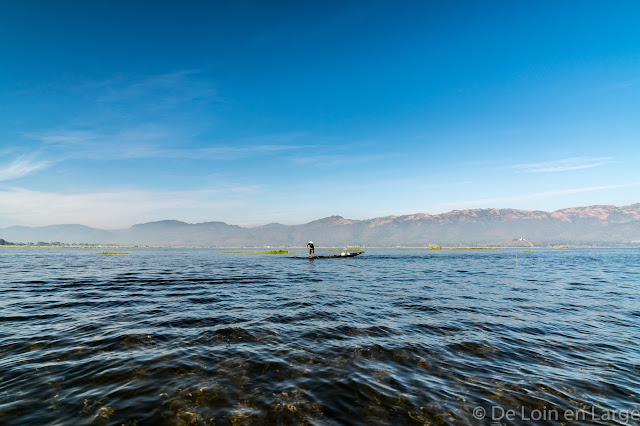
point(473, 248)
point(260, 252)
point(528, 251)
point(113, 252)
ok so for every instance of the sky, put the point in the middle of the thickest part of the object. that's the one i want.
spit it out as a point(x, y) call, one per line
point(114, 113)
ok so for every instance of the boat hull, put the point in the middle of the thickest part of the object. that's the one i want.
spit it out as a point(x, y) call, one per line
point(336, 256)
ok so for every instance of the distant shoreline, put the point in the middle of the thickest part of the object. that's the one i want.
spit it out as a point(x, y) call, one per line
point(109, 246)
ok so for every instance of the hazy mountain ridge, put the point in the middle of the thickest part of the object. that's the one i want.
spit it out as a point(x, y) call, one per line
point(578, 225)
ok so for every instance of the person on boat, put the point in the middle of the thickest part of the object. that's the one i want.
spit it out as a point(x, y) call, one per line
point(312, 251)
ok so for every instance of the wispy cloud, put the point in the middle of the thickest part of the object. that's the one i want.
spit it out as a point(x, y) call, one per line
point(620, 85)
point(566, 164)
point(330, 160)
point(526, 197)
point(66, 137)
point(154, 92)
point(136, 142)
point(20, 167)
point(155, 117)
point(156, 142)
point(183, 98)
point(235, 152)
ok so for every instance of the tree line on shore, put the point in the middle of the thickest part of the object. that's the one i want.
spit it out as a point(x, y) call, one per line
point(4, 242)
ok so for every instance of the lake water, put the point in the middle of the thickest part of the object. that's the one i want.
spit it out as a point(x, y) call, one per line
point(198, 336)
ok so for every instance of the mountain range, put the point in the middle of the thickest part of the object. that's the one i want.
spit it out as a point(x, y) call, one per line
point(592, 225)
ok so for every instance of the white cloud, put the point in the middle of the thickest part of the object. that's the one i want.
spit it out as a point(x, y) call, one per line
point(20, 167)
point(566, 164)
point(118, 209)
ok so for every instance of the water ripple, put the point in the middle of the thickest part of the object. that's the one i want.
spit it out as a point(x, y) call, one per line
point(162, 336)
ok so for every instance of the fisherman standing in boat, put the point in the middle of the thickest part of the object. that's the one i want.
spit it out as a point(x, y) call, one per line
point(311, 249)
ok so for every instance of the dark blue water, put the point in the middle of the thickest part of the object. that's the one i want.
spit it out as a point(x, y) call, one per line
point(198, 336)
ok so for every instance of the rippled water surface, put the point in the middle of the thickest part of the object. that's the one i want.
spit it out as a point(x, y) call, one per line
point(199, 336)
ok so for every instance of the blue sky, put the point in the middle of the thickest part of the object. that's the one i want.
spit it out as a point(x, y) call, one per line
point(116, 113)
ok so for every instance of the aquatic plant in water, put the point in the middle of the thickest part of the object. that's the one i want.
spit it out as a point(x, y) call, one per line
point(261, 252)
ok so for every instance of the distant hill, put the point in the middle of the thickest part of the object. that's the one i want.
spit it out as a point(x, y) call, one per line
point(601, 224)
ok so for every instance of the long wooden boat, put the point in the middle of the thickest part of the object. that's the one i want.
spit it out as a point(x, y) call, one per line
point(335, 256)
